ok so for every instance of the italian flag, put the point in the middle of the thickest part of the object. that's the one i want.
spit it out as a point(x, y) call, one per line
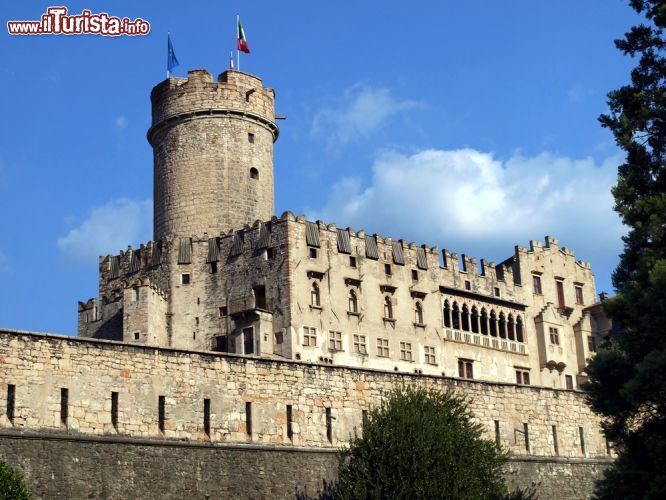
point(242, 41)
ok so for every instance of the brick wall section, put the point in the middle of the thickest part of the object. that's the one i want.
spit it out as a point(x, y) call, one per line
point(41, 365)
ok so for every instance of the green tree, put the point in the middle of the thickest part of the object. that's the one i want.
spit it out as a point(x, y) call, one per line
point(421, 444)
point(12, 486)
point(628, 379)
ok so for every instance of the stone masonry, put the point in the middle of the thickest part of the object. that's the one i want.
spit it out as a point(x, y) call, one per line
point(236, 335)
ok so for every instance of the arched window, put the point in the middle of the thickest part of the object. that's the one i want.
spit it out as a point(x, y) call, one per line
point(465, 318)
point(475, 320)
point(418, 313)
point(502, 326)
point(353, 302)
point(447, 314)
point(519, 329)
point(254, 173)
point(512, 327)
point(388, 308)
point(493, 324)
point(484, 321)
point(314, 295)
point(456, 316)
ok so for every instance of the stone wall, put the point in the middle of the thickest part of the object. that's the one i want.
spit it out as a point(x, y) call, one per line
point(248, 400)
point(41, 365)
point(74, 467)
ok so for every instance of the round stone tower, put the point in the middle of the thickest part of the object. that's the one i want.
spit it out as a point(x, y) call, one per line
point(213, 153)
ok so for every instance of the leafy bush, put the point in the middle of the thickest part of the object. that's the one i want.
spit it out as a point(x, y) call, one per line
point(12, 486)
point(421, 443)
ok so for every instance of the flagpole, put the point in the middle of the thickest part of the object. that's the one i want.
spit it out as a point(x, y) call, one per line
point(238, 38)
point(168, 34)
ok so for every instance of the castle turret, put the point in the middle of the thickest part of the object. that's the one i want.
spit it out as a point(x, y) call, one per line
point(213, 153)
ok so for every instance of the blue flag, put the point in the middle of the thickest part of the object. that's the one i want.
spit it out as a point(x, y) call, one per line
point(172, 61)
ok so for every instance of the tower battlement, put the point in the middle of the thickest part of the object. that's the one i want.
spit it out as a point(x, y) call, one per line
point(233, 92)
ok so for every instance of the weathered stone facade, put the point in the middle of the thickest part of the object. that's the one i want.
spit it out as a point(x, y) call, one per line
point(236, 328)
point(257, 401)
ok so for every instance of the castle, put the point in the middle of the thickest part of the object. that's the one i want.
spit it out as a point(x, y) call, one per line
point(224, 274)
point(241, 344)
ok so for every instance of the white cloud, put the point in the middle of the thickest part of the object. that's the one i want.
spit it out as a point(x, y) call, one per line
point(360, 112)
point(108, 229)
point(468, 201)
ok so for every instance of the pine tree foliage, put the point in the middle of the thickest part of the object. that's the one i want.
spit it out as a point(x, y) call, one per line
point(628, 378)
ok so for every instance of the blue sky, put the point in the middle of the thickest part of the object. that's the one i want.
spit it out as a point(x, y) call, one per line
point(467, 125)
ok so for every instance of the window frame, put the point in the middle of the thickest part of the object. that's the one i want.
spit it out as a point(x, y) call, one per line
point(406, 353)
point(335, 340)
point(309, 333)
point(383, 348)
point(359, 344)
point(430, 355)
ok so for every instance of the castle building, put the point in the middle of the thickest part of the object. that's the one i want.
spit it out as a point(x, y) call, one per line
point(232, 355)
point(223, 273)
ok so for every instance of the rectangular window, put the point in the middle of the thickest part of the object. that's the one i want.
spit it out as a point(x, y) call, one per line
point(582, 440)
point(206, 415)
point(526, 431)
point(406, 351)
point(387, 269)
point(465, 368)
point(468, 285)
point(114, 410)
point(290, 429)
point(248, 340)
point(329, 425)
point(11, 402)
point(383, 348)
point(248, 418)
point(352, 261)
point(137, 335)
point(335, 341)
point(364, 417)
point(359, 344)
point(591, 343)
point(579, 295)
point(569, 382)
point(522, 377)
point(497, 291)
point(556, 449)
point(161, 413)
point(185, 279)
point(415, 275)
point(222, 311)
point(536, 284)
point(430, 355)
point(269, 253)
point(213, 267)
point(554, 336)
point(497, 432)
point(309, 336)
point(560, 294)
point(312, 252)
point(250, 137)
point(64, 406)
